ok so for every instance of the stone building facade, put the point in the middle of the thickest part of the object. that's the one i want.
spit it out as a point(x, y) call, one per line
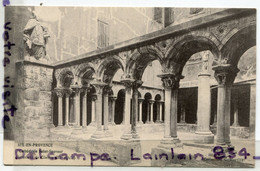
point(187, 70)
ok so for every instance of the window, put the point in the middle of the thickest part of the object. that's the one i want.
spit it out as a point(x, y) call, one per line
point(103, 34)
point(163, 16)
point(195, 10)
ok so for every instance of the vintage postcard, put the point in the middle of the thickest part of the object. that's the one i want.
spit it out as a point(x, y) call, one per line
point(129, 86)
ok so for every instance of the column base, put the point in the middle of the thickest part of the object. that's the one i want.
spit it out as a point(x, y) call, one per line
point(112, 123)
point(135, 136)
point(170, 142)
point(214, 124)
point(84, 129)
point(158, 121)
point(93, 124)
point(77, 130)
point(140, 123)
point(126, 136)
point(235, 125)
point(204, 137)
point(108, 133)
point(98, 135)
point(59, 128)
point(67, 126)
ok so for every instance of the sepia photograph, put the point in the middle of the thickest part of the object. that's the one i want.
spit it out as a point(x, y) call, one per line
point(129, 86)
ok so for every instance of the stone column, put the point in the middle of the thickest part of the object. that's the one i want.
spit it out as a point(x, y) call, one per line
point(67, 93)
point(148, 119)
point(127, 108)
point(113, 100)
point(183, 113)
point(252, 111)
point(136, 85)
point(93, 110)
point(203, 133)
point(99, 91)
point(60, 93)
point(105, 106)
point(235, 103)
point(84, 108)
point(157, 112)
point(151, 102)
point(76, 101)
point(171, 85)
point(225, 75)
point(161, 111)
point(140, 111)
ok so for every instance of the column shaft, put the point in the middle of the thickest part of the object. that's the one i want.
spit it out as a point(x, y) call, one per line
point(167, 113)
point(84, 110)
point(225, 74)
point(161, 111)
point(204, 104)
point(93, 111)
point(76, 101)
point(134, 111)
point(105, 111)
point(98, 108)
point(113, 110)
point(173, 117)
point(223, 115)
point(151, 111)
point(68, 93)
point(140, 111)
point(127, 109)
point(67, 111)
point(60, 118)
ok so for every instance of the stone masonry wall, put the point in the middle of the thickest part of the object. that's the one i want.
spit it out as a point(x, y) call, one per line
point(34, 102)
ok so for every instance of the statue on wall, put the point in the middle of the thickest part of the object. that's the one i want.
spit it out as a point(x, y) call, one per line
point(35, 37)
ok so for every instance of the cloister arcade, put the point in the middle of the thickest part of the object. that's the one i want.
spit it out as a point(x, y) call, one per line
point(88, 96)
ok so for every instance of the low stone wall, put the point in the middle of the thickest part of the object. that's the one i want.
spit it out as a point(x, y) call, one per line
point(33, 101)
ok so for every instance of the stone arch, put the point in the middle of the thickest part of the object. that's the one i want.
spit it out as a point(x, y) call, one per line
point(84, 73)
point(140, 58)
point(64, 77)
point(183, 48)
point(237, 42)
point(108, 67)
point(157, 97)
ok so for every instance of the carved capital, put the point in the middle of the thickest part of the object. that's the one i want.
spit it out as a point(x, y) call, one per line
point(171, 81)
point(151, 101)
point(98, 85)
point(137, 84)
point(59, 92)
point(140, 100)
point(113, 98)
point(94, 97)
point(68, 92)
point(107, 89)
point(76, 89)
point(128, 83)
point(225, 74)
